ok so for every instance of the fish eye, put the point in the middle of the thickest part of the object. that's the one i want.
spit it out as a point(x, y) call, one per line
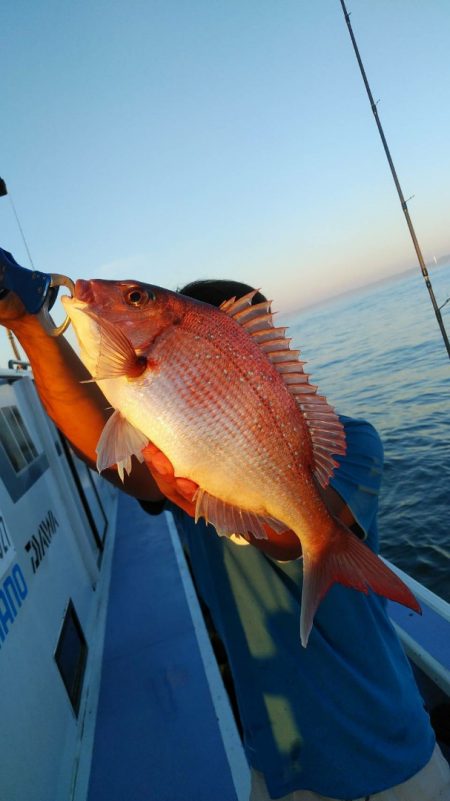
point(137, 297)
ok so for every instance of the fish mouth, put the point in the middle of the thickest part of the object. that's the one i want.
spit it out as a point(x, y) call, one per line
point(83, 297)
point(84, 291)
point(72, 305)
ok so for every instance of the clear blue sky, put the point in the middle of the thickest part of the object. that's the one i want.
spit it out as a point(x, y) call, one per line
point(177, 139)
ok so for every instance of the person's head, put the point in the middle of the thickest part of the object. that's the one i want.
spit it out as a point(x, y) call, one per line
point(216, 291)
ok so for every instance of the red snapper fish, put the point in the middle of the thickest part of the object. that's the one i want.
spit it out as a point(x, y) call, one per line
point(220, 392)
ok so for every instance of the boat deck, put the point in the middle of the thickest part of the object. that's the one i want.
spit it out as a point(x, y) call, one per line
point(164, 728)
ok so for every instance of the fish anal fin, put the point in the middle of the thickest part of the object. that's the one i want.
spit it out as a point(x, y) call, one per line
point(118, 442)
point(326, 430)
point(349, 562)
point(228, 519)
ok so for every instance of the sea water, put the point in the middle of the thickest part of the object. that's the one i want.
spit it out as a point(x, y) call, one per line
point(378, 354)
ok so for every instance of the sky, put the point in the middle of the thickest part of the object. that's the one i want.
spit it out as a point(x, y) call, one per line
point(169, 140)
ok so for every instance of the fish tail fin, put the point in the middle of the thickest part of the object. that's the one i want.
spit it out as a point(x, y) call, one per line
point(350, 562)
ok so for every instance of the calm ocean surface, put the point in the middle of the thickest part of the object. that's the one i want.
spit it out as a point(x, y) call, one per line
point(379, 354)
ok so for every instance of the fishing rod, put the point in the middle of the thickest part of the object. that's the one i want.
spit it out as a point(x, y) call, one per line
point(423, 267)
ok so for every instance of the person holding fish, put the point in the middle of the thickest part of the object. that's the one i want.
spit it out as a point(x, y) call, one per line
point(213, 410)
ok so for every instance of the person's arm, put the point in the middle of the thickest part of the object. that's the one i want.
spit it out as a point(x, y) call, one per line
point(79, 410)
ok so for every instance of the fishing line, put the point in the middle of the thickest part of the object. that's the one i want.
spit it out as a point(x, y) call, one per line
point(20, 228)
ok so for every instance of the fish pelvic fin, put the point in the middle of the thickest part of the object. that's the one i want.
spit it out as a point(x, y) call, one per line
point(228, 519)
point(349, 562)
point(116, 355)
point(118, 442)
point(325, 428)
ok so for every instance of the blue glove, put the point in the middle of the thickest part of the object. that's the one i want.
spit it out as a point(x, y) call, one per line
point(31, 286)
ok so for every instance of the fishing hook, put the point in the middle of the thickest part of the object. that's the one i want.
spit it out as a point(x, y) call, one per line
point(56, 280)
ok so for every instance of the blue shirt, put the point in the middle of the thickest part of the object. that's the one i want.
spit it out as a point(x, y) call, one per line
point(343, 717)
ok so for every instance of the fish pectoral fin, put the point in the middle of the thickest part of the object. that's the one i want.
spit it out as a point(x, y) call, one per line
point(116, 355)
point(349, 562)
point(229, 519)
point(118, 442)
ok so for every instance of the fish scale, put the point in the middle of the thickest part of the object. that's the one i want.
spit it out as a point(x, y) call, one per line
point(214, 419)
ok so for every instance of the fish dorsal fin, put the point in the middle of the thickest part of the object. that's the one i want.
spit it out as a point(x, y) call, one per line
point(232, 306)
point(326, 430)
point(118, 442)
point(228, 519)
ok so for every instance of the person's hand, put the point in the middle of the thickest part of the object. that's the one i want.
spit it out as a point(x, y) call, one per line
point(181, 491)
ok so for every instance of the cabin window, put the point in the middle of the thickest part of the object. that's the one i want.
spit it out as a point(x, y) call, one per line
point(71, 656)
point(15, 438)
point(20, 463)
